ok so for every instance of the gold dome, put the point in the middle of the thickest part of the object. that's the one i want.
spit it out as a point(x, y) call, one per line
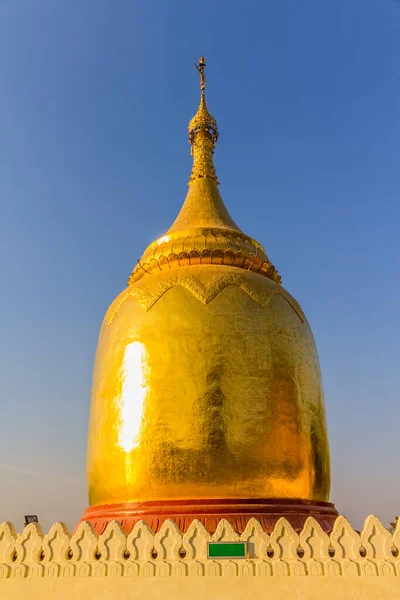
point(206, 381)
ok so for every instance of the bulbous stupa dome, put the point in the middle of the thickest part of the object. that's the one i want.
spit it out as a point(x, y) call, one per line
point(206, 384)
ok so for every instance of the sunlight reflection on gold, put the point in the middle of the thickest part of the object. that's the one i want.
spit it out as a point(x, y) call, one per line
point(163, 239)
point(133, 395)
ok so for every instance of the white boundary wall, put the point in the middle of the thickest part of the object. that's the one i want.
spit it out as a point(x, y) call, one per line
point(281, 565)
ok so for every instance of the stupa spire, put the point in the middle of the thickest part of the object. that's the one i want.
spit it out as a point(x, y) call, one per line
point(204, 231)
point(203, 134)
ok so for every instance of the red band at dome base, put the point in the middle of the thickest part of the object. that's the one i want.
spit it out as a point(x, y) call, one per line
point(237, 512)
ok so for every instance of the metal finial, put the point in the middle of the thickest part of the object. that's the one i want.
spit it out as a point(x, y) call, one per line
point(203, 134)
point(201, 67)
point(203, 120)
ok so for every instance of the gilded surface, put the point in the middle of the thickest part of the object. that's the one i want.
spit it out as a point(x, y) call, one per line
point(204, 232)
point(205, 400)
point(205, 284)
point(203, 134)
point(206, 381)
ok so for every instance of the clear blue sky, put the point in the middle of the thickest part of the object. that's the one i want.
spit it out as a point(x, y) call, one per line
point(94, 160)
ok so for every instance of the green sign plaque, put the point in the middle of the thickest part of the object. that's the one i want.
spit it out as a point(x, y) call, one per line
point(226, 550)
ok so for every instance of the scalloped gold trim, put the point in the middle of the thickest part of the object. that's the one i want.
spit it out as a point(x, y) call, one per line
point(205, 246)
point(205, 292)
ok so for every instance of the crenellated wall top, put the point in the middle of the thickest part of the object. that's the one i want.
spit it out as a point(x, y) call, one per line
point(374, 551)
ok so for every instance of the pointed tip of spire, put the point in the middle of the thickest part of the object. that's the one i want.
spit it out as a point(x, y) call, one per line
point(203, 119)
point(203, 134)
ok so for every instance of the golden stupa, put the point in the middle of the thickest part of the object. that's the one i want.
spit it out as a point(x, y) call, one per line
point(207, 388)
